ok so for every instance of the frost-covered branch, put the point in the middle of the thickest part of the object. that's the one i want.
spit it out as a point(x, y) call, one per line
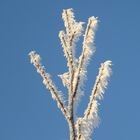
point(88, 50)
point(90, 119)
point(99, 86)
point(56, 95)
point(80, 127)
point(73, 28)
point(69, 21)
point(73, 32)
point(68, 55)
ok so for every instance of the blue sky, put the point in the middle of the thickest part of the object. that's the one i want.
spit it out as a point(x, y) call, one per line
point(27, 111)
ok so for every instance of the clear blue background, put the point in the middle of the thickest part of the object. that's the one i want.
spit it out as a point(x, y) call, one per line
point(27, 111)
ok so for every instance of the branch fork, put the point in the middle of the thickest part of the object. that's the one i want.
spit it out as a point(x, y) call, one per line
point(80, 128)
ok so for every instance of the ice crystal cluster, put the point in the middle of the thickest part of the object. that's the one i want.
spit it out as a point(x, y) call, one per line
point(81, 128)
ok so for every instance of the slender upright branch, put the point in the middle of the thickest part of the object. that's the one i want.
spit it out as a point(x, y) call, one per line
point(86, 53)
point(73, 30)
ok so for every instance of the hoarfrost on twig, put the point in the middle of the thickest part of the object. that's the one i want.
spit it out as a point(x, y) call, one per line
point(80, 128)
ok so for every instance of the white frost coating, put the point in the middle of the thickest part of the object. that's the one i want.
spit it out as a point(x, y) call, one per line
point(77, 99)
point(85, 126)
point(66, 49)
point(80, 89)
point(56, 95)
point(68, 17)
point(91, 119)
point(88, 50)
point(65, 79)
point(77, 32)
point(73, 29)
point(34, 57)
point(102, 80)
point(88, 43)
point(76, 75)
point(73, 32)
